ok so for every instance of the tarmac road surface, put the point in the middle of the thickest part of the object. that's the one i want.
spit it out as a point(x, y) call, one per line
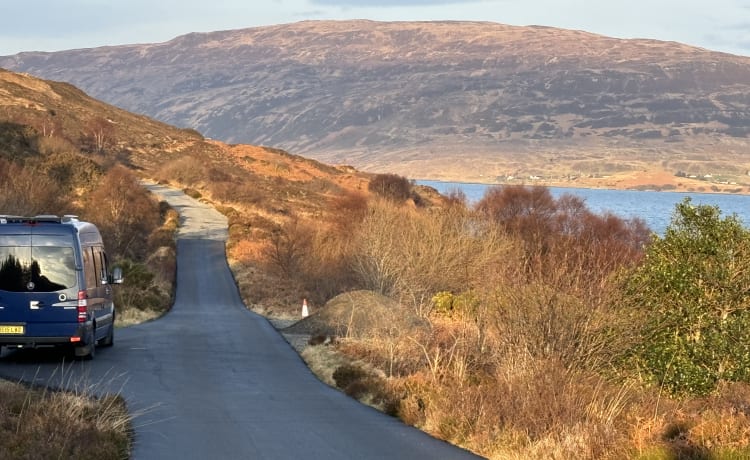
point(212, 380)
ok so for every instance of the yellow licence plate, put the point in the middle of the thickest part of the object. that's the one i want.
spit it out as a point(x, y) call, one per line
point(18, 330)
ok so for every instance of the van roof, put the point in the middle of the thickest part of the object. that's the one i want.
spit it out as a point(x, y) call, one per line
point(44, 218)
point(46, 224)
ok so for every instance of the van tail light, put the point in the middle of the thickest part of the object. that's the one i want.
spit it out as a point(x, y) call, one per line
point(82, 306)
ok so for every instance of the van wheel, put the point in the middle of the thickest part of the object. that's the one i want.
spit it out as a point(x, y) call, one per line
point(87, 352)
point(109, 340)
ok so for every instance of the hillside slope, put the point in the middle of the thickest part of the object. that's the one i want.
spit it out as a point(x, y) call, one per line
point(31, 108)
point(41, 117)
point(451, 100)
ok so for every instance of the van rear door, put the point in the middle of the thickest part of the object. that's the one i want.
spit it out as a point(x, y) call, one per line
point(38, 283)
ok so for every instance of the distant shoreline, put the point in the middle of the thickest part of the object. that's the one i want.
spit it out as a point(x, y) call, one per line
point(694, 186)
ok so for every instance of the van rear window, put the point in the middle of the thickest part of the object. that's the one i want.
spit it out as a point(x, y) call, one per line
point(37, 268)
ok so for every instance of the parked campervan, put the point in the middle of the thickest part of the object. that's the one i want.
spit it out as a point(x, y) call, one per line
point(55, 284)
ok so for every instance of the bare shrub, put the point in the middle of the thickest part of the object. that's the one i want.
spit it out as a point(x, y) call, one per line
point(520, 301)
point(564, 244)
point(391, 187)
point(413, 254)
point(326, 269)
point(187, 170)
point(378, 257)
point(125, 213)
point(523, 409)
point(27, 191)
point(101, 134)
point(560, 300)
point(347, 211)
point(323, 261)
point(548, 324)
point(456, 197)
point(288, 245)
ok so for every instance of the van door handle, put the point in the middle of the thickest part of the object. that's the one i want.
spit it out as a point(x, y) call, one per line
point(35, 304)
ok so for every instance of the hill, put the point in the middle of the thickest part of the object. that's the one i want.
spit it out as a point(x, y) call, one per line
point(34, 109)
point(443, 100)
point(39, 117)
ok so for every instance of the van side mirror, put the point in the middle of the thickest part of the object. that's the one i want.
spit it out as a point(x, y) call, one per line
point(117, 275)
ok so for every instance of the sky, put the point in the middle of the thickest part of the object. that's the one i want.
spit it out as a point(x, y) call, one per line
point(54, 25)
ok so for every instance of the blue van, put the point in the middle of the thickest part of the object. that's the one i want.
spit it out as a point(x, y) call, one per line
point(55, 285)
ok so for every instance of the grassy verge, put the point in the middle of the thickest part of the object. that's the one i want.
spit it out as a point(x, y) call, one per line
point(39, 423)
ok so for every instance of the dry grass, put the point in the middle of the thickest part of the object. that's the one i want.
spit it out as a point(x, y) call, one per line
point(519, 407)
point(40, 423)
point(133, 316)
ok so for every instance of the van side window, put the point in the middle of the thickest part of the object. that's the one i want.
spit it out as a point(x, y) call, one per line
point(101, 265)
point(89, 268)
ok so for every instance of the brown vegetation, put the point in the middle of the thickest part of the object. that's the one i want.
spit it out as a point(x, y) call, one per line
point(498, 327)
point(36, 423)
point(391, 187)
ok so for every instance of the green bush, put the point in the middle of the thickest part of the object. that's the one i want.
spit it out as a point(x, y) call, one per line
point(140, 291)
point(693, 294)
point(463, 305)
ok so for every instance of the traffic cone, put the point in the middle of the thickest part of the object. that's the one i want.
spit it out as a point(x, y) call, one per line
point(305, 311)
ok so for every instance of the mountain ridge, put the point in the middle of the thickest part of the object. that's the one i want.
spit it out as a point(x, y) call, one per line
point(473, 101)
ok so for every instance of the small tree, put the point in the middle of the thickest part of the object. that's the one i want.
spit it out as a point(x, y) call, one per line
point(124, 211)
point(28, 191)
point(563, 237)
point(693, 292)
point(391, 187)
point(102, 133)
point(289, 243)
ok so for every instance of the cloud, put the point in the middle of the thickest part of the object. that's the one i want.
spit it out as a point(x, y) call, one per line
point(91, 23)
point(387, 3)
point(87, 23)
point(732, 37)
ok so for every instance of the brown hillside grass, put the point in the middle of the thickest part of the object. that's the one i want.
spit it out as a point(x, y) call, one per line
point(39, 423)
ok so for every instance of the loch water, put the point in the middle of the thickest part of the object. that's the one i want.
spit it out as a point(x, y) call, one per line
point(655, 208)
